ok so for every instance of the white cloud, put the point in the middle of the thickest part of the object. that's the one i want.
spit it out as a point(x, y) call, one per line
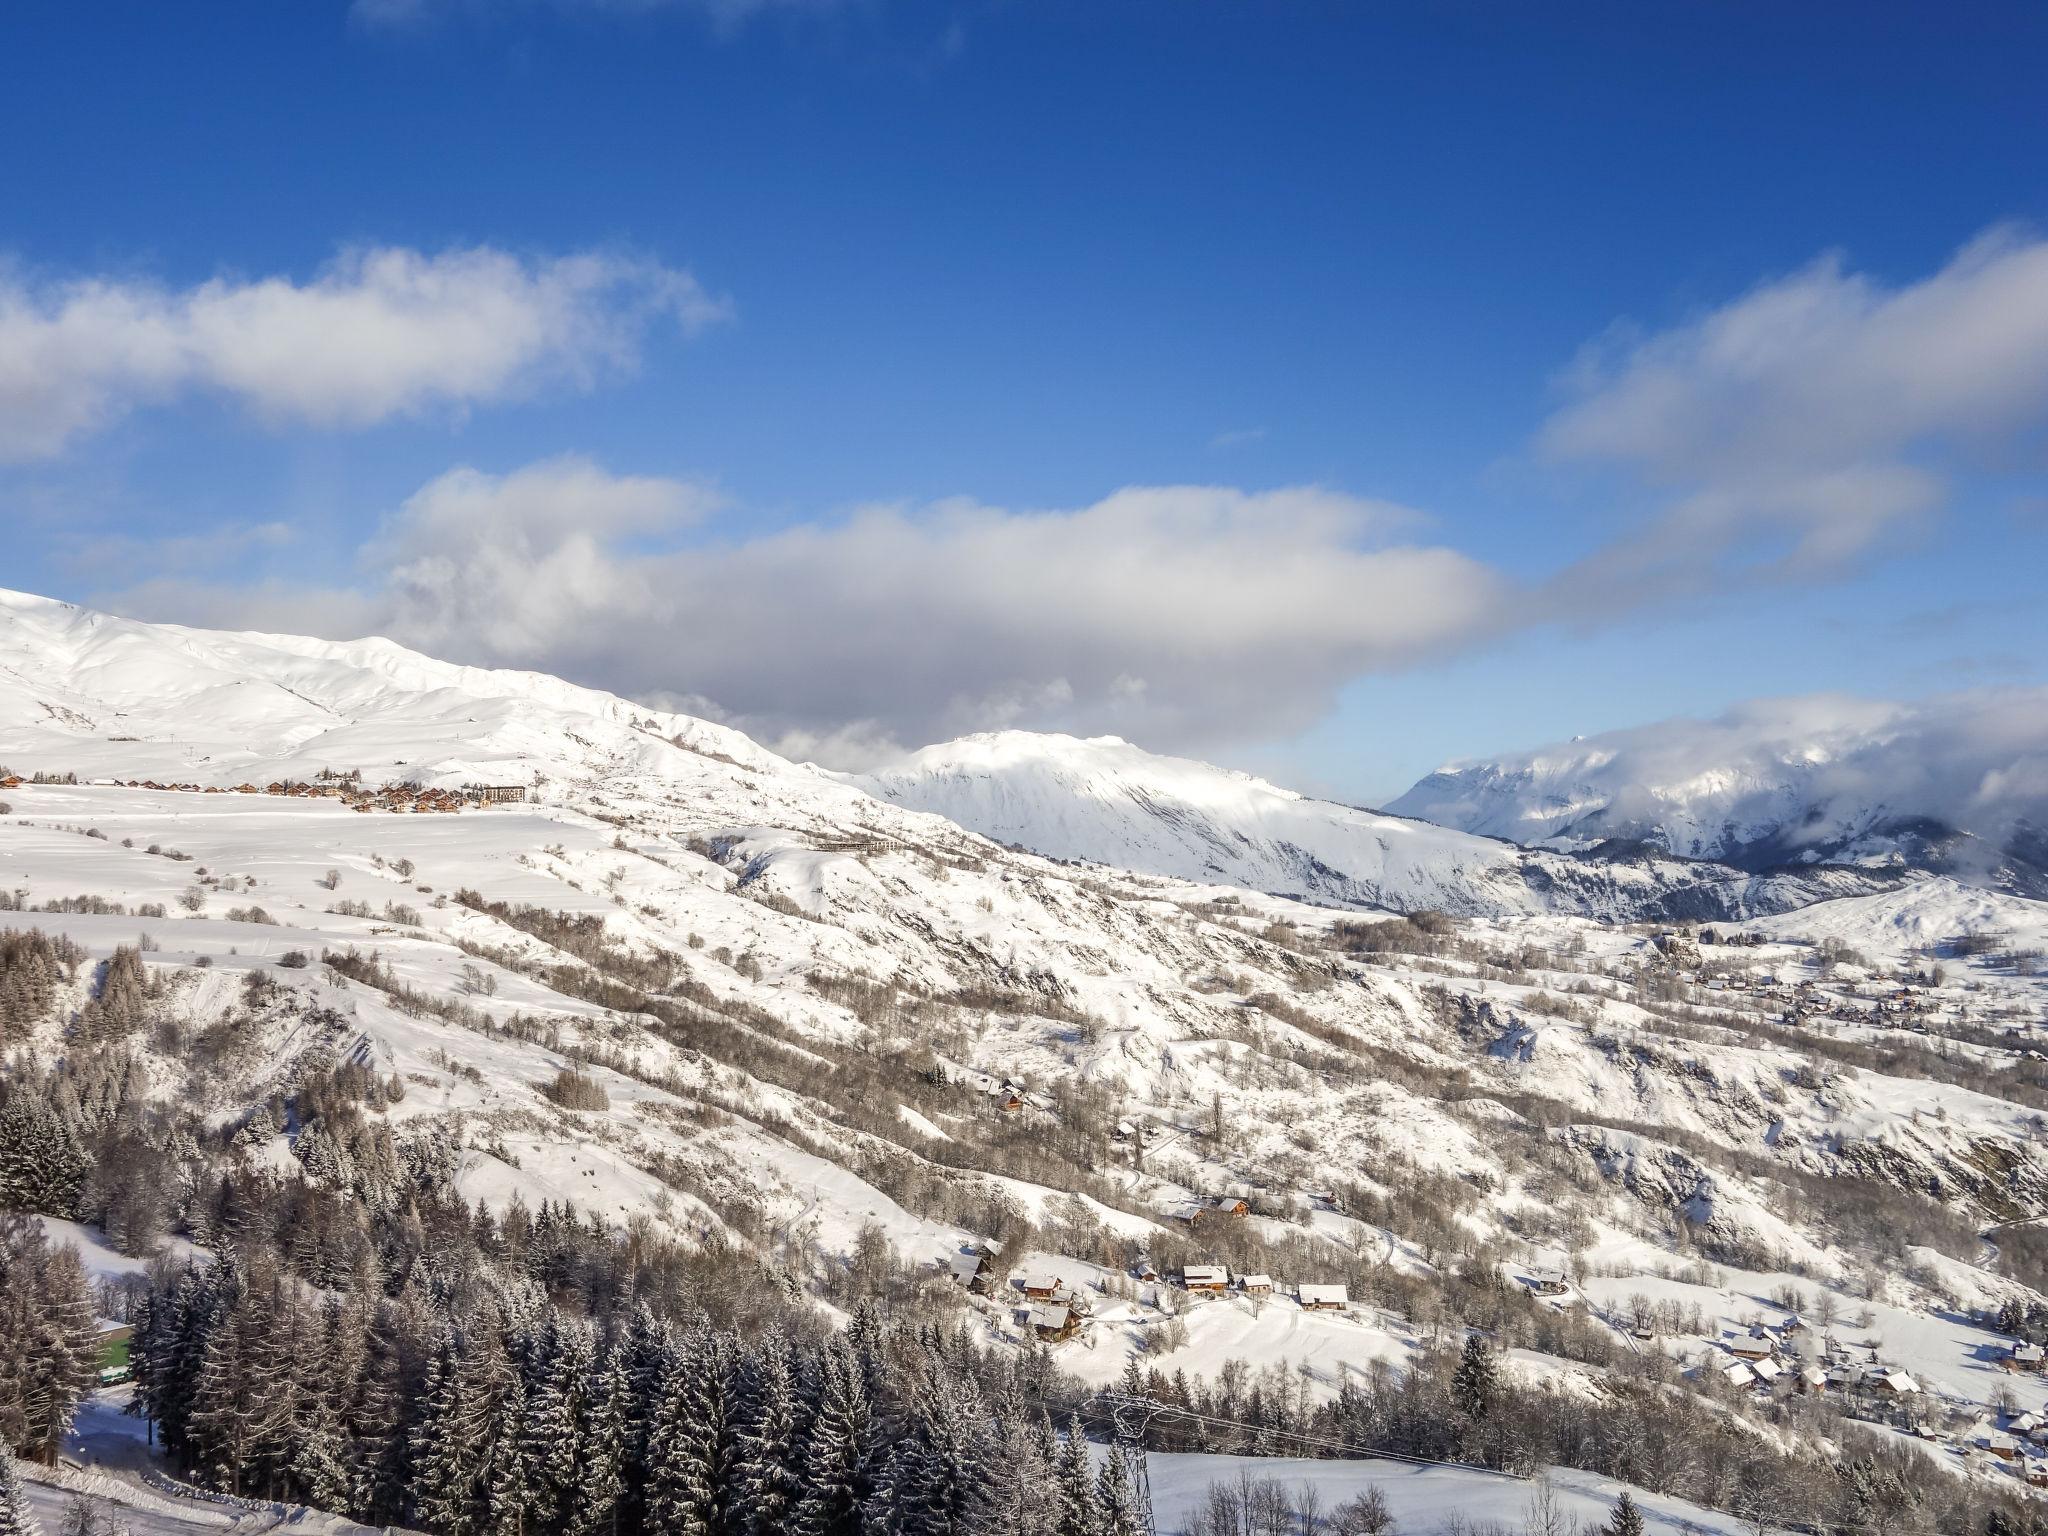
point(380, 332)
point(1183, 615)
point(1801, 426)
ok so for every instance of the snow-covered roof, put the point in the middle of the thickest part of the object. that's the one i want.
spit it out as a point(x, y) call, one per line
point(1738, 1374)
point(1323, 1296)
point(1051, 1314)
point(1205, 1274)
point(1256, 1282)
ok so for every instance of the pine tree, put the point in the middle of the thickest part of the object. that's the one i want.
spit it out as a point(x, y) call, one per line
point(442, 1472)
point(691, 1449)
point(1074, 1489)
point(1116, 1500)
point(839, 1454)
point(602, 1448)
point(49, 1348)
point(1476, 1380)
point(15, 1519)
point(508, 1497)
point(769, 1481)
point(1626, 1520)
point(43, 1161)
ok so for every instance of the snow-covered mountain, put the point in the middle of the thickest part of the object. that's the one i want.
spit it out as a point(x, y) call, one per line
point(732, 1004)
point(1957, 784)
point(1105, 800)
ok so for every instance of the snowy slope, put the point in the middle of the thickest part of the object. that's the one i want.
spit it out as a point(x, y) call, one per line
point(1958, 784)
point(851, 985)
point(1105, 800)
point(92, 694)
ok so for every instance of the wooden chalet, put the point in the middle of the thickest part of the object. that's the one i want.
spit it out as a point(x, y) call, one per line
point(1042, 1287)
point(1548, 1282)
point(1055, 1322)
point(1206, 1279)
point(1323, 1298)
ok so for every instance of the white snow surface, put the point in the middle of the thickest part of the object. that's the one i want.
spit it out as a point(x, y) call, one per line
point(1105, 800)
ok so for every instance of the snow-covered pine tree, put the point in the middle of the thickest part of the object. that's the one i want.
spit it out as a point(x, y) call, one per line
point(1116, 1500)
point(693, 1450)
point(508, 1480)
point(15, 1519)
point(601, 1446)
point(1073, 1488)
point(1476, 1380)
point(557, 1364)
point(442, 1470)
point(769, 1481)
point(43, 1161)
point(1626, 1520)
point(839, 1451)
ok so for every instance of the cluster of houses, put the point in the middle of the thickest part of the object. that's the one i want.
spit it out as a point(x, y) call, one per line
point(398, 799)
point(1055, 1311)
point(1216, 1280)
point(2021, 1445)
point(1769, 1359)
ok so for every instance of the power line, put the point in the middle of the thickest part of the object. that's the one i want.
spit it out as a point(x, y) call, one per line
point(1146, 1410)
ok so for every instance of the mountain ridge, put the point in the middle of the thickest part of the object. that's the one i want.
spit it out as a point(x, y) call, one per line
point(1953, 785)
point(1104, 799)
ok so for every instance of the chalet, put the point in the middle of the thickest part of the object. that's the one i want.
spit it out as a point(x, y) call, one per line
point(11, 781)
point(1210, 1279)
point(1767, 1371)
point(1255, 1285)
point(1012, 1103)
point(1753, 1346)
point(1894, 1381)
point(1323, 1298)
point(1230, 1205)
point(1054, 1322)
point(1842, 1378)
point(1547, 1282)
point(1147, 1270)
point(1813, 1381)
point(2004, 1447)
point(1041, 1287)
point(1738, 1375)
point(970, 1270)
point(2023, 1423)
point(2023, 1357)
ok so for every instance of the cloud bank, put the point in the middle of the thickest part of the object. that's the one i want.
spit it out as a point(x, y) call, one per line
point(380, 332)
point(1808, 423)
point(1786, 773)
point(1173, 613)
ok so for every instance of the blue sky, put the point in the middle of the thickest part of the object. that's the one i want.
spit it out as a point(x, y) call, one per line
point(845, 266)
